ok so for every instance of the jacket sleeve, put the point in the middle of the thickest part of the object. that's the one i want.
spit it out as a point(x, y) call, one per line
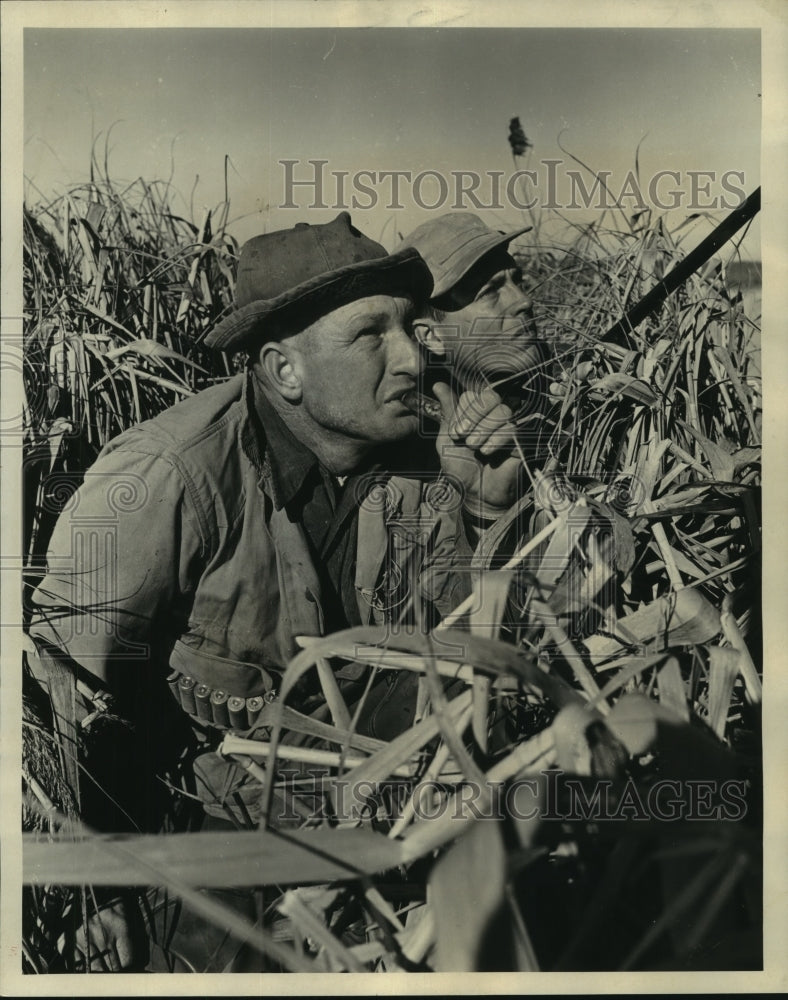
point(447, 573)
point(121, 565)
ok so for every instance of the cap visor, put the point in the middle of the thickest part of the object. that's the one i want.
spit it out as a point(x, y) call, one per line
point(471, 254)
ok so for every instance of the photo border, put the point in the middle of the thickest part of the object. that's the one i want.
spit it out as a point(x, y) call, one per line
point(771, 16)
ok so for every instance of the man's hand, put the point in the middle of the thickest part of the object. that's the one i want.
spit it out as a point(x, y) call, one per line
point(475, 445)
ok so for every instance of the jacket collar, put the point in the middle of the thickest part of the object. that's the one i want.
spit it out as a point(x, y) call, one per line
point(290, 461)
point(252, 435)
point(281, 460)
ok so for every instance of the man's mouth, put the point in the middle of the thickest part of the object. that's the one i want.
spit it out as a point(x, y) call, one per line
point(525, 329)
point(399, 395)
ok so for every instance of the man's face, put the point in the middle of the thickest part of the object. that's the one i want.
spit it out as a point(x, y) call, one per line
point(493, 335)
point(356, 364)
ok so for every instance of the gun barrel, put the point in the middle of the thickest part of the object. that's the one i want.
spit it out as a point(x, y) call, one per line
point(730, 225)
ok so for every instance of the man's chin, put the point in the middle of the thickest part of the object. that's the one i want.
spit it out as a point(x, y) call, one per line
point(529, 356)
point(395, 428)
point(405, 426)
point(512, 360)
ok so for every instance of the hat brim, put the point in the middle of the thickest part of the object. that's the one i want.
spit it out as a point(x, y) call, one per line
point(403, 272)
point(469, 254)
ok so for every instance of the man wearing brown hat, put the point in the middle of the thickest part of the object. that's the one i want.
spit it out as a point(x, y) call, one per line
point(204, 541)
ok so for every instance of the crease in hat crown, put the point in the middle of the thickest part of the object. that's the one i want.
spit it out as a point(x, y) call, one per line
point(292, 276)
point(453, 243)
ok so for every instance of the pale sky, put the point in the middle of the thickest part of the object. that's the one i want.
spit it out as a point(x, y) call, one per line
point(385, 99)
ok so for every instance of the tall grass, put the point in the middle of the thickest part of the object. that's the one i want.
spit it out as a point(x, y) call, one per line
point(632, 649)
point(119, 291)
point(675, 423)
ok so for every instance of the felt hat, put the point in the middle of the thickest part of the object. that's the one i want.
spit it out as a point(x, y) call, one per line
point(288, 279)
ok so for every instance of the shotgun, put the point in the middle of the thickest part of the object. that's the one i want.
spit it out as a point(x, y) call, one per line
point(652, 300)
point(616, 341)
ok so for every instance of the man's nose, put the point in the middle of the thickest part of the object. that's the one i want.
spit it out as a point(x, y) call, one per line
point(515, 301)
point(404, 356)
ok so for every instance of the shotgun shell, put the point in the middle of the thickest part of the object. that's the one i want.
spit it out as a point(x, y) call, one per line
point(172, 681)
point(221, 716)
point(236, 708)
point(186, 686)
point(202, 697)
point(253, 708)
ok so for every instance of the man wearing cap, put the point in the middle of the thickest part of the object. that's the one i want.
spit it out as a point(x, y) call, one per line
point(204, 541)
point(479, 327)
point(482, 320)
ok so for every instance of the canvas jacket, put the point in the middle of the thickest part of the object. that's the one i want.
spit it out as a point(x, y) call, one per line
point(172, 551)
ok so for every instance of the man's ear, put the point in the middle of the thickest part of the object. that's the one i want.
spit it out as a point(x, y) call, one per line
point(280, 368)
point(428, 334)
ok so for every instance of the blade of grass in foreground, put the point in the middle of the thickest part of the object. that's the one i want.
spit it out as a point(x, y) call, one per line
point(209, 859)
